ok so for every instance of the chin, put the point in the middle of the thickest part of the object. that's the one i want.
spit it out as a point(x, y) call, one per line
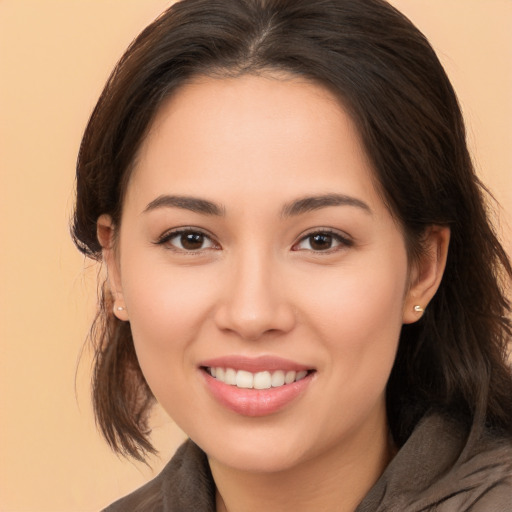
point(257, 452)
point(258, 461)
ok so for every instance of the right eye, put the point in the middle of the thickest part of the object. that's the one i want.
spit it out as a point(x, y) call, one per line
point(187, 240)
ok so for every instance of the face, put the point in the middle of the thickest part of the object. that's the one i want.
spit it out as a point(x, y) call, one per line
point(264, 279)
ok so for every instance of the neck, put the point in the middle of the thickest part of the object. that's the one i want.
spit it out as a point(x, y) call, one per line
point(337, 480)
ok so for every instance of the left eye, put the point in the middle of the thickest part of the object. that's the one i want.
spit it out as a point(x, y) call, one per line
point(188, 241)
point(320, 242)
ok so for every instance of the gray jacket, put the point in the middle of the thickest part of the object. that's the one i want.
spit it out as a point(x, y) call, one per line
point(435, 470)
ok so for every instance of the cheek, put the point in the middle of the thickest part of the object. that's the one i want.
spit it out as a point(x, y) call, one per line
point(360, 297)
point(359, 314)
point(166, 317)
point(167, 310)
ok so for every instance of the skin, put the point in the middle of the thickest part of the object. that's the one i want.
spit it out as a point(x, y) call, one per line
point(258, 285)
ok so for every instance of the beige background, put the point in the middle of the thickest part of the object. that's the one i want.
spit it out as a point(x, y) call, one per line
point(54, 58)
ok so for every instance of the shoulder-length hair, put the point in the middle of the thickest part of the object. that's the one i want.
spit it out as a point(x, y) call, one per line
point(389, 79)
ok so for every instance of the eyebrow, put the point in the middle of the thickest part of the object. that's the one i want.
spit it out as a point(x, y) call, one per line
point(193, 204)
point(297, 207)
point(311, 203)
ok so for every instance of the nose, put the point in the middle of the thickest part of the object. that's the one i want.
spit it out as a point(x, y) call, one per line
point(255, 301)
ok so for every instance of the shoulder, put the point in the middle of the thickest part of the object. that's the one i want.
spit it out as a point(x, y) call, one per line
point(185, 484)
point(478, 477)
point(441, 468)
point(147, 498)
point(481, 480)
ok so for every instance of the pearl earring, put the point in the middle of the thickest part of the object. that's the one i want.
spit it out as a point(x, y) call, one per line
point(418, 309)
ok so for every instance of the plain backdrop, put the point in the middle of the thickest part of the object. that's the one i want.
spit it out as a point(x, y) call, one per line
point(55, 56)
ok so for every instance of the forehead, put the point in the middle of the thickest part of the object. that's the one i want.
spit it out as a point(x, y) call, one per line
point(271, 131)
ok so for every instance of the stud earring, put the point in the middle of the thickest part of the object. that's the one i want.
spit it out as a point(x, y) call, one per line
point(118, 308)
point(418, 309)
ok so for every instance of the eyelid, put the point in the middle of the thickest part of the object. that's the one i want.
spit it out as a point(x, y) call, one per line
point(344, 239)
point(166, 236)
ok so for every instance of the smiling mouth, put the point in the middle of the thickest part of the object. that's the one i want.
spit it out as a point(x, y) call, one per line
point(260, 380)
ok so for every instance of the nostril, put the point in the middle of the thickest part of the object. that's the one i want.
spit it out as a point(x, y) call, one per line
point(253, 321)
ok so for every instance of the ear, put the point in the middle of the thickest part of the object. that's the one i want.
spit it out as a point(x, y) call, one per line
point(426, 273)
point(105, 233)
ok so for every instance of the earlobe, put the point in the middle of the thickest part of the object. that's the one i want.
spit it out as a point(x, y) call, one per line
point(105, 232)
point(427, 273)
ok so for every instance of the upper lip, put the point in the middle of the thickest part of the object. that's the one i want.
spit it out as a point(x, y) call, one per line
point(254, 364)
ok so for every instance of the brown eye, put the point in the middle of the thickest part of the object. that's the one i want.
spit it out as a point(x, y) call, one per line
point(187, 241)
point(322, 241)
point(192, 241)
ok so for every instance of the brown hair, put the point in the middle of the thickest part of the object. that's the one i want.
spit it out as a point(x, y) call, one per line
point(390, 80)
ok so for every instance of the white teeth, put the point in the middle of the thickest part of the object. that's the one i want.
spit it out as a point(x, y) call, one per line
point(301, 375)
point(244, 379)
point(260, 380)
point(230, 377)
point(290, 377)
point(277, 379)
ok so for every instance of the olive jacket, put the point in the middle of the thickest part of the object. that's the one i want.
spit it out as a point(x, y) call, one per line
point(435, 470)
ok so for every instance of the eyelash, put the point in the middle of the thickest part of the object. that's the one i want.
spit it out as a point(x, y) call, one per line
point(169, 235)
point(342, 241)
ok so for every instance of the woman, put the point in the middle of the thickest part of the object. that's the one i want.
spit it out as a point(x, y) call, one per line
point(300, 266)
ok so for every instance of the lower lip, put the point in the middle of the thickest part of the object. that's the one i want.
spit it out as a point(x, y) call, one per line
point(256, 402)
